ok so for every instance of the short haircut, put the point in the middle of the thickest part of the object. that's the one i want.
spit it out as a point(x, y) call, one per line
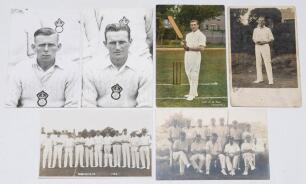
point(117, 27)
point(194, 20)
point(46, 31)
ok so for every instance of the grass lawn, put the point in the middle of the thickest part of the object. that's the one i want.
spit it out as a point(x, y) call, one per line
point(212, 81)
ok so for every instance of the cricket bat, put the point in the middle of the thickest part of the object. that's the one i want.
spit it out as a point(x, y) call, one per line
point(175, 27)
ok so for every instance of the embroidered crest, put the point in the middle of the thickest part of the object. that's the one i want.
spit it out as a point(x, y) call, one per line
point(116, 90)
point(124, 20)
point(59, 25)
point(42, 98)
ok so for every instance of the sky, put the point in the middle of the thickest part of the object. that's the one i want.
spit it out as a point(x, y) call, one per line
point(132, 119)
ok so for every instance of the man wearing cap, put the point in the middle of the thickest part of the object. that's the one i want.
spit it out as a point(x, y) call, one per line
point(180, 152)
point(144, 149)
point(135, 142)
point(107, 144)
point(68, 147)
point(79, 150)
point(58, 151)
point(89, 149)
point(214, 152)
point(46, 81)
point(232, 152)
point(262, 37)
point(198, 153)
point(125, 140)
point(173, 135)
point(117, 149)
point(47, 145)
point(248, 150)
point(119, 79)
point(98, 139)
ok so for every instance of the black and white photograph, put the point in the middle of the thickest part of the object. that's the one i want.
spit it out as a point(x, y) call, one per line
point(264, 56)
point(96, 144)
point(43, 69)
point(211, 144)
point(117, 53)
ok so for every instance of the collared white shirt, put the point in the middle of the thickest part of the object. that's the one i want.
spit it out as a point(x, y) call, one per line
point(135, 78)
point(98, 140)
point(262, 34)
point(213, 148)
point(125, 138)
point(47, 142)
point(190, 133)
point(69, 142)
point(202, 131)
point(247, 146)
point(180, 145)
point(58, 141)
point(62, 83)
point(196, 39)
point(79, 140)
point(231, 149)
point(198, 147)
point(145, 140)
point(89, 141)
point(107, 140)
point(135, 141)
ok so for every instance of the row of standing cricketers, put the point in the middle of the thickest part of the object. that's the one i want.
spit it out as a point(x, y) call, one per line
point(132, 148)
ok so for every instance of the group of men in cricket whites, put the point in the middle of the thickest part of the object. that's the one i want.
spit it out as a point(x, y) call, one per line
point(119, 149)
point(212, 146)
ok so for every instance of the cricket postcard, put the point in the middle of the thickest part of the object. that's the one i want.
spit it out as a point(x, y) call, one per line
point(190, 56)
point(263, 59)
point(211, 144)
point(92, 143)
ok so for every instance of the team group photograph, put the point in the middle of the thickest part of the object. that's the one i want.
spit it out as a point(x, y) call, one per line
point(213, 146)
point(103, 147)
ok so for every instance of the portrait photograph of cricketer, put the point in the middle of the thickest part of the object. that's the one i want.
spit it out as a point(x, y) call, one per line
point(80, 58)
point(72, 146)
point(211, 144)
point(264, 60)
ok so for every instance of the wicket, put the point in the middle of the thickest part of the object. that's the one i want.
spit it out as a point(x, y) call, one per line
point(176, 72)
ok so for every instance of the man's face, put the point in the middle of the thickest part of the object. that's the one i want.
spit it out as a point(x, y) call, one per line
point(213, 121)
point(194, 26)
point(261, 21)
point(46, 47)
point(118, 44)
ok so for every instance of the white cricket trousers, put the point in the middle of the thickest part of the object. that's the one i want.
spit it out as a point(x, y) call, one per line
point(248, 159)
point(232, 162)
point(126, 155)
point(182, 158)
point(108, 157)
point(57, 155)
point(144, 152)
point(221, 158)
point(79, 156)
point(117, 155)
point(192, 63)
point(47, 154)
point(68, 154)
point(197, 157)
point(135, 157)
point(98, 155)
point(262, 52)
point(89, 157)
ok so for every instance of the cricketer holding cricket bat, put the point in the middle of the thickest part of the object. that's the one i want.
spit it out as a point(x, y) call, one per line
point(193, 45)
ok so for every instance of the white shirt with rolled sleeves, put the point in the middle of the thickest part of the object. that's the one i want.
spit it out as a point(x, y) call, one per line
point(231, 149)
point(262, 34)
point(198, 147)
point(213, 149)
point(107, 140)
point(62, 83)
point(135, 78)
